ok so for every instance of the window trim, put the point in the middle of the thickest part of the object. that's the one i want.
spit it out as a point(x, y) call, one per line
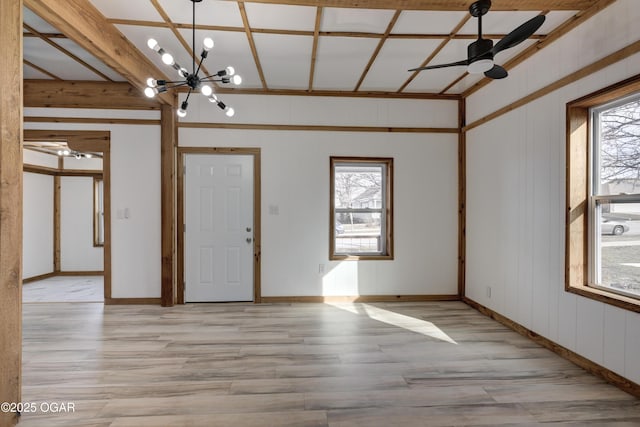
point(97, 213)
point(388, 208)
point(578, 257)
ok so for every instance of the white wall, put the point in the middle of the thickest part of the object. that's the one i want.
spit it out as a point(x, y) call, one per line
point(135, 184)
point(30, 157)
point(77, 252)
point(295, 178)
point(516, 196)
point(37, 242)
point(94, 163)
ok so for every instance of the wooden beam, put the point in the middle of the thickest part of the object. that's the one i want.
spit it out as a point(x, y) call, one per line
point(86, 94)
point(57, 203)
point(40, 69)
point(342, 94)
point(462, 198)
point(252, 43)
point(82, 140)
point(392, 23)
point(314, 49)
point(137, 122)
point(44, 170)
point(554, 35)
point(83, 23)
point(168, 145)
point(10, 207)
point(245, 126)
point(452, 5)
point(68, 53)
point(308, 33)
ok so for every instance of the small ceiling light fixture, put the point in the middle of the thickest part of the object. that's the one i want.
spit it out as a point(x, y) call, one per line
point(192, 80)
point(78, 155)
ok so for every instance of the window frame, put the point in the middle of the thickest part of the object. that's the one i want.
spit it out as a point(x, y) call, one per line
point(386, 210)
point(581, 204)
point(98, 212)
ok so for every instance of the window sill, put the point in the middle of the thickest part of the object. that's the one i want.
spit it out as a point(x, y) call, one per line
point(336, 257)
point(611, 298)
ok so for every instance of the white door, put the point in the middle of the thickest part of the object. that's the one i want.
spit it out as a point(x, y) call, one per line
point(218, 212)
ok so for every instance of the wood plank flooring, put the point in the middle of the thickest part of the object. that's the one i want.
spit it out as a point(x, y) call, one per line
point(243, 365)
point(65, 289)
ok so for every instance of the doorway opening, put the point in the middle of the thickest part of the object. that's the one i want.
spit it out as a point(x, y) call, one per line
point(71, 225)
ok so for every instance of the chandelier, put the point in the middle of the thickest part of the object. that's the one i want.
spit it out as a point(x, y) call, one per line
point(192, 80)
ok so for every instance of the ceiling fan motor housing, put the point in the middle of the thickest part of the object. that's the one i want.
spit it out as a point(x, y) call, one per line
point(480, 49)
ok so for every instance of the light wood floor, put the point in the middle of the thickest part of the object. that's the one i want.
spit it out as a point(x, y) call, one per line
point(65, 289)
point(242, 365)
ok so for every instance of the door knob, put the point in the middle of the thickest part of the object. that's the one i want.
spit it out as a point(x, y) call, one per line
point(249, 239)
point(248, 229)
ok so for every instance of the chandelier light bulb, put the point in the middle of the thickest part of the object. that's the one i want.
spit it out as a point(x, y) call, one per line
point(151, 82)
point(150, 92)
point(237, 80)
point(153, 44)
point(59, 152)
point(229, 111)
point(230, 71)
point(213, 98)
point(167, 58)
point(182, 72)
point(206, 90)
point(208, 43)
point(182, 111)
point(66, 152)
point(88, 155)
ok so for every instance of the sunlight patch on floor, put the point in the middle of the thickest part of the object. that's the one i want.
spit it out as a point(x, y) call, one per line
point(631, 264)
point(396, 319)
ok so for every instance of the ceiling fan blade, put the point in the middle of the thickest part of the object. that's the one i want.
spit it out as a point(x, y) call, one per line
point(497, 72)
point(520, 34)
point(451, 64)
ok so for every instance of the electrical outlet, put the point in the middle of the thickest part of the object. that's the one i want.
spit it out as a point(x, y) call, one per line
point(320, 268)
point(488, 291)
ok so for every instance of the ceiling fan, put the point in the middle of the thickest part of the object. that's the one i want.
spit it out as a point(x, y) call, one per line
point(480, 53)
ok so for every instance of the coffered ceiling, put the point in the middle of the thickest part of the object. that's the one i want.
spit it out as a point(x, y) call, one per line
point(345, 47)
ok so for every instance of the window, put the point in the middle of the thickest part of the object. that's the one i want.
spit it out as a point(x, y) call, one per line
point(614, 202)
point(602, 235)
point(98, 212)
point(361, 225)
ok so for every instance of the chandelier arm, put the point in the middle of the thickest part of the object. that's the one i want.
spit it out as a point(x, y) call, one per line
point(181, 82)
point(211, 78)
point(188, 95)
point(178, 84)
point(195, 73)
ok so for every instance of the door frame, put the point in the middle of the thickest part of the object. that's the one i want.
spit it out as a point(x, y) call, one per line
point(257, 239)
point(81, 140)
